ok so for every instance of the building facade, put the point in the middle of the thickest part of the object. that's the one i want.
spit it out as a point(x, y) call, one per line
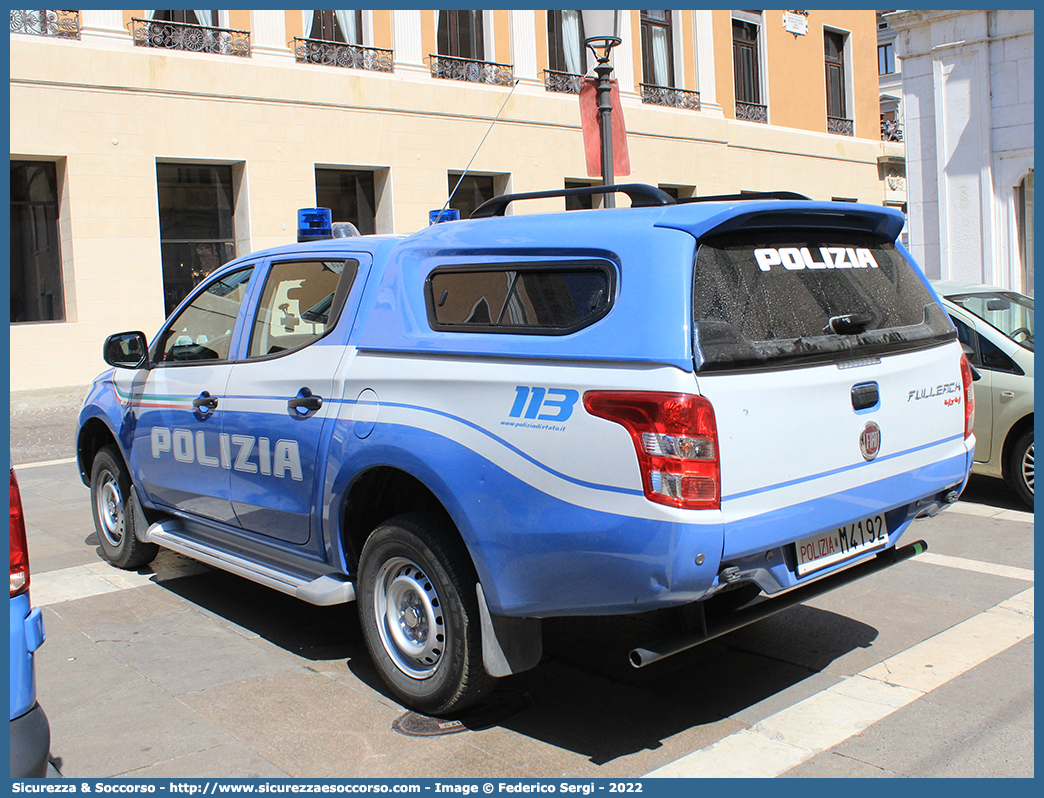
point(148, 147)
point(967, 99)
point(890, 88)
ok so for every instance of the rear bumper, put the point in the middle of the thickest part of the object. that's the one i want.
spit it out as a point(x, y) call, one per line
point(30, 744)
point(709, 629)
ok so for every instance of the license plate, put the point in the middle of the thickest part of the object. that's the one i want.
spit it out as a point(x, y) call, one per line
point(831, 547)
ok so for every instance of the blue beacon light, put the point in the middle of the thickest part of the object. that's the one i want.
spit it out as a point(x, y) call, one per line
point(314, 224)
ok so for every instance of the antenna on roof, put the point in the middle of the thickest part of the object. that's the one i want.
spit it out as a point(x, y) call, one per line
point(435, 218)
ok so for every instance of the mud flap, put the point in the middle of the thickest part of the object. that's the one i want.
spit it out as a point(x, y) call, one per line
point(509, 645)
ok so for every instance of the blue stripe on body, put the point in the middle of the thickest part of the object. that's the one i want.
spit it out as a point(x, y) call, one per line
point(841, 470)
point(538, 555)
point(612, 488)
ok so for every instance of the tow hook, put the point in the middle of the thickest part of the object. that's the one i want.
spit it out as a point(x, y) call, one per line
point(729, 575)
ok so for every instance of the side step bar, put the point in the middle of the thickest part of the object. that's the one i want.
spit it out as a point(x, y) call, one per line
point(323, 591)
point(640, 657)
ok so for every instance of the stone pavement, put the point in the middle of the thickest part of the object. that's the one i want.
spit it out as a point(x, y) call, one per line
point(179, 670)
point(43, 424)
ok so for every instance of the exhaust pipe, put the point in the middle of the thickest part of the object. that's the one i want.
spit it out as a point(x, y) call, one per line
point(640, 657)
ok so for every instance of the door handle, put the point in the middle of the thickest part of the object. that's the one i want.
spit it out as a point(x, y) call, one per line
point(307, 402)
point(205, 400)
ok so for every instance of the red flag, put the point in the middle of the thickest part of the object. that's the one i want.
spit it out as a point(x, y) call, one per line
point(592, 134)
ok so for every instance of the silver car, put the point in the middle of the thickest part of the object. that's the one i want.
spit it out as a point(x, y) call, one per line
point(996, 324)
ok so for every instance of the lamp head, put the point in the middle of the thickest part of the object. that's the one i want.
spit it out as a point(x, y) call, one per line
point(601, 31)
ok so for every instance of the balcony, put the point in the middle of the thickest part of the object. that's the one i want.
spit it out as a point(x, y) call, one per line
point(191, 38)
point(450, 68)
point(338, 54)
point(59, 24)
point(670, 97)
point(562, 82)
point(891, 130)
point(752, 112)
point(840, 126)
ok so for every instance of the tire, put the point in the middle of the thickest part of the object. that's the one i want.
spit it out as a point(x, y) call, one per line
point(419, 615)
point(111, 502)
point(1020, 467)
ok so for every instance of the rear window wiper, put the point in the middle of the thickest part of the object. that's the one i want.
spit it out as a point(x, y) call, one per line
point(849, 324)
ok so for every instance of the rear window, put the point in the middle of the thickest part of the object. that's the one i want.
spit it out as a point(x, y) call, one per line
point(776, 297)
point(519, 298)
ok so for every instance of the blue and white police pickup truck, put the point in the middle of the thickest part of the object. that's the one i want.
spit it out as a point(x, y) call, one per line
point(728, 406)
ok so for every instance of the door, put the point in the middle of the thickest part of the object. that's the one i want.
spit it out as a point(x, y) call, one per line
point(178, 454)
point(280, 396)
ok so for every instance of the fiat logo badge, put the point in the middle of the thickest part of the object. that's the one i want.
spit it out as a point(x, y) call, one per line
point(870, 440)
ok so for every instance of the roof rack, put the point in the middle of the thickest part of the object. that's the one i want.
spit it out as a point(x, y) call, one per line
point(750, 195)
point(642, 196)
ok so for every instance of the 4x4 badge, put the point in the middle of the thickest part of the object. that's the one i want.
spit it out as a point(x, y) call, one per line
point(870, 440)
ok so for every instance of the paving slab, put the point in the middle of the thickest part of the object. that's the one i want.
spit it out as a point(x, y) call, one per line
point(226, 761)
point(71, 660)
point(984, 539)
point(327, 729)
point(130, 726)
point(182, 670)
point(874, 618)
point(930, 740)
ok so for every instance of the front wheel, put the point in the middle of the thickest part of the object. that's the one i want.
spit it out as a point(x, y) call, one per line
point(1020, 467)
point(419, 615)
point(112, 501)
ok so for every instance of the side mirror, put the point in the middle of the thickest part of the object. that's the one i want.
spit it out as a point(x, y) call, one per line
point(126, 350)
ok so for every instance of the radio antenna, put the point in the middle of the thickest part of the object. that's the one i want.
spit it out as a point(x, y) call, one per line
point(479, 147)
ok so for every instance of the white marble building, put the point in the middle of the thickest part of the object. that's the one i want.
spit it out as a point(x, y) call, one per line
point(967, 81)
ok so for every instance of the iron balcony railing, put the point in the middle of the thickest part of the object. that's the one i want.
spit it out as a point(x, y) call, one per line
point(339, 54)
point(891, 130)
point(450, 68)
point(192, 38)
point(840, 126)
point(752, 112)
point(563, 82)
point(60, 24)
point(670, 96)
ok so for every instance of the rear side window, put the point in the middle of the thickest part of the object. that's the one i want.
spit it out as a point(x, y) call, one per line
point(519, 298)
point(765, 298)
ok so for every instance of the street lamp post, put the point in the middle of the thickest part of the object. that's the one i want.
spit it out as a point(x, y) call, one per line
point(602, 34)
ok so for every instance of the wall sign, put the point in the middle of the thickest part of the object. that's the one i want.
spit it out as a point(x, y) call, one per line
point(796, 22)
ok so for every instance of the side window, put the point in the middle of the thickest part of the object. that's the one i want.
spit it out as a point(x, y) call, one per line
point(519, 298)
point(985, 355)
point(203, 330)
point(300, 304)
point(969, 338)
point(994, 359)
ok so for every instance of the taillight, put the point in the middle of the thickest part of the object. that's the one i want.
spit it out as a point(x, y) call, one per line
point(969, 396)
point(676, 439)
point(19, 549)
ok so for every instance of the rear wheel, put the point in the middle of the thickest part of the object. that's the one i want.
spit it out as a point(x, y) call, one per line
point(1020, 467)
point(419, 615)
point(112, 501)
